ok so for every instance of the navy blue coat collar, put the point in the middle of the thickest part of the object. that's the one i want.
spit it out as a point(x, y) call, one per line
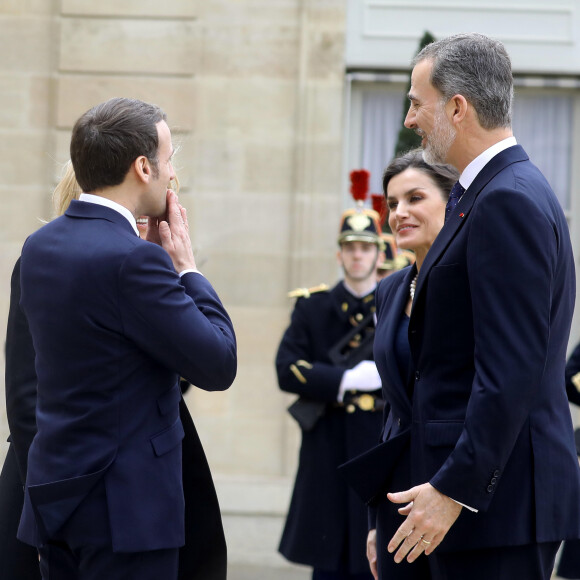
point(87, 210)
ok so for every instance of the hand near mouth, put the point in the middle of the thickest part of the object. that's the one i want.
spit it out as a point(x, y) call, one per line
point(150, 231)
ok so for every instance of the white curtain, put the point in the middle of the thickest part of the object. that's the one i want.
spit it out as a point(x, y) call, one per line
point(382, 115)
point(542, 124)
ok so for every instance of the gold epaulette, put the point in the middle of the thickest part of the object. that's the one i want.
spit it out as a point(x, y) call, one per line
point(306, 292)
point(576, 381)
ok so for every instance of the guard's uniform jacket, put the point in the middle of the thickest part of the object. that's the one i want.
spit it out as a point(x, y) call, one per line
point(326, 526)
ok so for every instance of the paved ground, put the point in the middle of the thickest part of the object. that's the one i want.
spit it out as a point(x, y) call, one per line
point(245, 572)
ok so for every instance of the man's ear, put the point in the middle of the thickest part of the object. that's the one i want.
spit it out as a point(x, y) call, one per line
point(457, 108)
point(339, 258)
point(142, 168)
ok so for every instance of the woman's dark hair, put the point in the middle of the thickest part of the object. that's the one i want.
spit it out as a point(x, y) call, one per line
point(443, 175)
point(109, 137)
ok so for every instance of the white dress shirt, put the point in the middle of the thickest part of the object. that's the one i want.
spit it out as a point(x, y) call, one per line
point(473, 169)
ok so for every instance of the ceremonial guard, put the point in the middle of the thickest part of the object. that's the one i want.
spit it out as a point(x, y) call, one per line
point(393, 258)
point(326, 358)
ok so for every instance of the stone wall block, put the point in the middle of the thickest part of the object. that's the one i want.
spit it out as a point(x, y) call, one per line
point(246, 109)
point(264, 109)
point(13, 95)
point(327, 14)
point(24, 8)
point(326, 54)
point(246, 445)
point(22, 158)
point(269, 51)
point(268, 167)
point(26, 44)
point(247, 280)
point(40, 102)
point(314, 270)
point(325, 112)
point(262, 329)
point(248, 224)
point(248, 12)
point(27, 208)
point(78, 93)
point(61, 153)
point(219, 163)
point(129, 46)
point(324, 170)
point(137, 8)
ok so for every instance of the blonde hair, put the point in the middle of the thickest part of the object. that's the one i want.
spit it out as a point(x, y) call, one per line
point(66, 190)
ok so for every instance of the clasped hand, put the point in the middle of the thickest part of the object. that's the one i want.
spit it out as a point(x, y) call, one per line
point(172, 234)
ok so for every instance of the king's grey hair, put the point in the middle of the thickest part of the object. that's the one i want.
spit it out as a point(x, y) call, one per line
point(478, 68)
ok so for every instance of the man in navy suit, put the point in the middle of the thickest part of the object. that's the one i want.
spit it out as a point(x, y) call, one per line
point(497, 484)
point(115, 320)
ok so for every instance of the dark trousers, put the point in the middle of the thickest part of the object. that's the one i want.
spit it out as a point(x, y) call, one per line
point(18, 561)
point(530, 562)
point(60, 562)
point(83, 550)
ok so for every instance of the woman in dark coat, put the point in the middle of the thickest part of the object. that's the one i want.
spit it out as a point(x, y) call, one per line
point(416, 197)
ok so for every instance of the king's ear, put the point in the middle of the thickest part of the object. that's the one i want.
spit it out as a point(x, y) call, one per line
point(457, 108)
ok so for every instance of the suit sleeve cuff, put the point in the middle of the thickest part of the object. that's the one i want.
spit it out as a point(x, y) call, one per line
point(465, 506)
point(190, 270)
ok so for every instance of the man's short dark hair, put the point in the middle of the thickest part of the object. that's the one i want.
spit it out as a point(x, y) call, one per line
point(109, 137)
point(478, 68)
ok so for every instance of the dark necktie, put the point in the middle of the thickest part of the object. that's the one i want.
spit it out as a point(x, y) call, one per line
point(456, 192)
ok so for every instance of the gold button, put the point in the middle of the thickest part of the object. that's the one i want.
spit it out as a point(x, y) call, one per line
point(366, 402)
point(359, 316)
point(344, 306)
point(350, 408)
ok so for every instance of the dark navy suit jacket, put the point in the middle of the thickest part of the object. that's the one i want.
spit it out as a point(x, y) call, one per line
point(113, 326)
point(488, 334)
point(490, 423)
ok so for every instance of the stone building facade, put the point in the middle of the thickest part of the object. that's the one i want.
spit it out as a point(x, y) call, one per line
point(253, 92)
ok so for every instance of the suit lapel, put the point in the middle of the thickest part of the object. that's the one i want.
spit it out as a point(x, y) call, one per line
point(397, 300)
point(461, 212)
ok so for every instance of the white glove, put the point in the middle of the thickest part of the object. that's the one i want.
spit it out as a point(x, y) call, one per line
point(363, 377)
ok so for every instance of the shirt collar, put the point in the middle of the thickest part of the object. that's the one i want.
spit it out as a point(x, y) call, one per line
point(472, 170)
point(99, 200)
point(355, 294)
